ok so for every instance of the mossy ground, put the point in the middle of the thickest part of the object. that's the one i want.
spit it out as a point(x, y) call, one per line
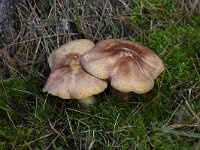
point(159, 119)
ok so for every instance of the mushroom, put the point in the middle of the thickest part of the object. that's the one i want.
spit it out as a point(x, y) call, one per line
point(130, 67)
point(65, 54)
point(68, 80)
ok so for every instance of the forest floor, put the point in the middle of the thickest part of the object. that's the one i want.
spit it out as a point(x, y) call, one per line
point(167, 117)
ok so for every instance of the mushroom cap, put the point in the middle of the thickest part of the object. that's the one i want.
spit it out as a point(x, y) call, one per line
point(67, 83)
point(130, 67)
point(68, 80)
point(77, 46)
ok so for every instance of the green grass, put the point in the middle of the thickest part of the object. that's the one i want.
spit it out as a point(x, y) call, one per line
point(159, 119)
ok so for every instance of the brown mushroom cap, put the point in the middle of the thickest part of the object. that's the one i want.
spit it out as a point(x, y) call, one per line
point(68, 80)
point(129, 66)
point(77, 47)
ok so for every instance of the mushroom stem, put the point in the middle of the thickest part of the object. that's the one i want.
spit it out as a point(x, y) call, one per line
point(120, 95)
point(86, 102)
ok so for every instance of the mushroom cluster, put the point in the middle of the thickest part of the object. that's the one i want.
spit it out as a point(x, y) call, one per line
point(68, 80)
point(81, 69)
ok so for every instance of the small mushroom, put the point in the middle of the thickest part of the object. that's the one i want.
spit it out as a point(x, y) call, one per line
point(60, 57)
point(68, 80)
point(130, 67)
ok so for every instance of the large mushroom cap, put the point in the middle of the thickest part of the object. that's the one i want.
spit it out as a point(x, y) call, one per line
point(68, 80)
point(129, 66)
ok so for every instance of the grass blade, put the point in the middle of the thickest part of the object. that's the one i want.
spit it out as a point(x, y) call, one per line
point(181, 133)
